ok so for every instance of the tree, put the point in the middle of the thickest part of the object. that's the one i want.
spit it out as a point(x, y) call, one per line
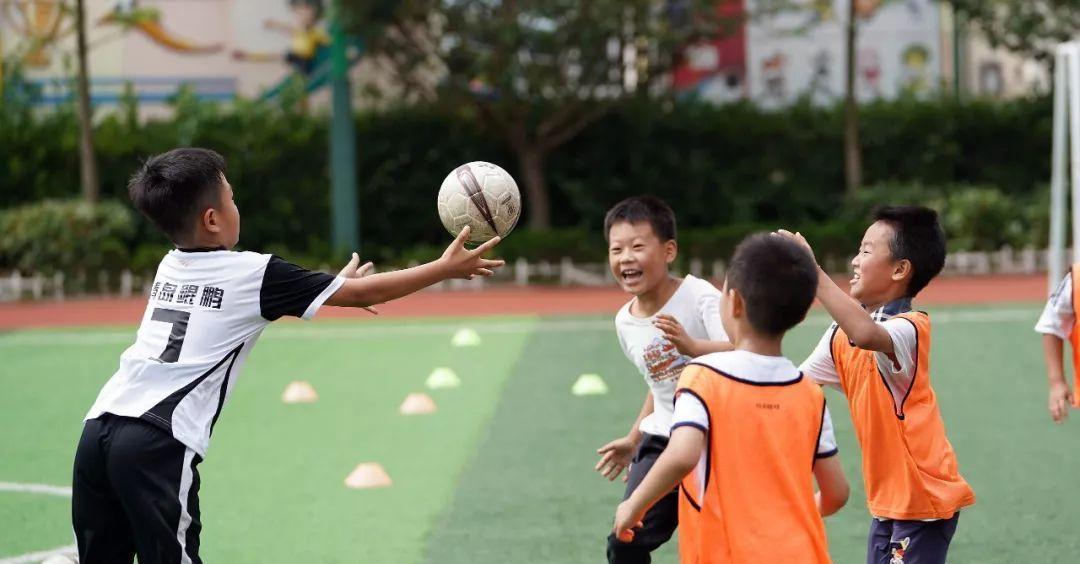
point(852, 147)
point(87, 164)
point(538, 72)
point(1029, 27)
point(857, 10)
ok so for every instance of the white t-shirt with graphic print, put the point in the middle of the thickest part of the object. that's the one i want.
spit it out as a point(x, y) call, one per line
point(696, 305)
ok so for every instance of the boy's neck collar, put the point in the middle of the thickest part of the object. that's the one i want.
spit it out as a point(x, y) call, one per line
point(200, 249)
point(658, 297)
point(893, 308)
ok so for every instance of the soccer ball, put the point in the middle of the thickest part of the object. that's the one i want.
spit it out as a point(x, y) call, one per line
point(482, 196)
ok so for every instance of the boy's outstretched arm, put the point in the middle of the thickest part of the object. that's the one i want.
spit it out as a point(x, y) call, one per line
point(845, 310)
point(1061, 398)
point(678, 459)
point(455, 262)
point(833, 489)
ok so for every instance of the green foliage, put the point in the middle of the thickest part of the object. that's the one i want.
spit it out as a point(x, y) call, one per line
point(727, 171)
point(66, 235)
point(1030, 27)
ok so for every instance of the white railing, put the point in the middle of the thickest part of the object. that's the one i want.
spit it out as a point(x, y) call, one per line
point(37, 286)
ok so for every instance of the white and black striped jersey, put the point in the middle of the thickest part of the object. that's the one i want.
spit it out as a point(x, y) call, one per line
point(207, 308)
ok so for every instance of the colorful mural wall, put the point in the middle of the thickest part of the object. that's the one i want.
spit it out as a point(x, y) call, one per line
point(782, 55)
point(219, 47)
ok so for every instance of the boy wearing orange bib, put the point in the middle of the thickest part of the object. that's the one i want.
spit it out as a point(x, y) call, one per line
point(878, 354)
point(750, 433)
point(1058, 323)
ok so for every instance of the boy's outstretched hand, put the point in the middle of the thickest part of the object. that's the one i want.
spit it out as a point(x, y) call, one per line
point(1061, 399)
point(614, 457)
point(463, 263)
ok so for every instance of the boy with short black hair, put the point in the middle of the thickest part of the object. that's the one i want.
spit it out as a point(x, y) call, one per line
point(878, 353)
point(750, 434)
point(669, 321)
point(135, 484)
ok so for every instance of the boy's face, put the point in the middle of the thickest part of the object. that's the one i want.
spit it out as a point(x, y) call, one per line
point(639, 259)
point(305, 14)
point(875, 269)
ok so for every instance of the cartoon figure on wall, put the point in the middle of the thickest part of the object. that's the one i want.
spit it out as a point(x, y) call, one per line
point(128, 16)
point(866, 9)
point(820, 89)
point(43, 23)
point(823, 11)
point(772, 74)
point(915, 69)
point(309, 47)
point(869, 72)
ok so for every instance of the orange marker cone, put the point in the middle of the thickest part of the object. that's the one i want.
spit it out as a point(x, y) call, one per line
point(299, 392)
point(417, 404)
point(368, 475)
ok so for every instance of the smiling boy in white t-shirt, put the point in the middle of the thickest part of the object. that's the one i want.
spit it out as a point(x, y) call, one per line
point(668, 322)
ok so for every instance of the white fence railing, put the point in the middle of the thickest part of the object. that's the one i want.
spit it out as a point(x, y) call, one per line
point(58, 286)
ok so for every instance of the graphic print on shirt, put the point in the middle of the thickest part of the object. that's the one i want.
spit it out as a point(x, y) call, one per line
point(663, 360)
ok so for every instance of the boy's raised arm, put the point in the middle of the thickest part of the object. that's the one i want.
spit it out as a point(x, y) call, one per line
point(455, 262)
point(678, 459)
point(845, 310)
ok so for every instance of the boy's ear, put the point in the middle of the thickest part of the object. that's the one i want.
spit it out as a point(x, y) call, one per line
point(902, 270)
point(671, 250)
point(738, 306)
point(210, 221)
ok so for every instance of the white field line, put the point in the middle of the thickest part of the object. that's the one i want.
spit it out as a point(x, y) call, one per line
point(380, 330)
point(44, 489)
point(36, 557)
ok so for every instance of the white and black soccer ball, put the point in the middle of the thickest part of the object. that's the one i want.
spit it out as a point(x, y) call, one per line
point(483, 196)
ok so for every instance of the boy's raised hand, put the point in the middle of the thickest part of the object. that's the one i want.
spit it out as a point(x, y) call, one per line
point(673, 331)
point(615, 456)
point(463, 263)
point(798, 238)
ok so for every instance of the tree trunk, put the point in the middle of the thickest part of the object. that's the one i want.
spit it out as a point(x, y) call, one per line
point(87, 165)
point(531, 162)
point(852, 151)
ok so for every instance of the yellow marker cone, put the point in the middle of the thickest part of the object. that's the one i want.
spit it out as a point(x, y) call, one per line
point(589, 385)
point(417, 404)
point(368, 475)
point(299, 392)
point(465, 338)
point(441, 378)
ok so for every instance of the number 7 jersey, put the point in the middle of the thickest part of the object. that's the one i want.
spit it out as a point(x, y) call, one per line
point(206, 309)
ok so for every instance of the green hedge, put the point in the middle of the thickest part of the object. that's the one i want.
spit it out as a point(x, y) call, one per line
point(724, 170)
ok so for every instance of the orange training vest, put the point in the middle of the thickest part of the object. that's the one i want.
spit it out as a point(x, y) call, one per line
point(758, 504)
point(909, 467)
point(1074, 336)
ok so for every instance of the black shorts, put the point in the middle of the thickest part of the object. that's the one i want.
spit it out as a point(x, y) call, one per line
point(135, 491)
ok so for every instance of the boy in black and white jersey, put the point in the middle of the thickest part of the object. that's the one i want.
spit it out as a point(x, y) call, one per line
point(135, 485)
